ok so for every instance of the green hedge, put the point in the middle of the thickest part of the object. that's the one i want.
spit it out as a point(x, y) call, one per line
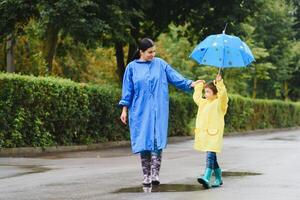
point(247, 114)
point(47, 111)
point(52, 111)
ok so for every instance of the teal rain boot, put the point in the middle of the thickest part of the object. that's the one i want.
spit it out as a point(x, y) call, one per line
point(218, 175)
point(205, 179)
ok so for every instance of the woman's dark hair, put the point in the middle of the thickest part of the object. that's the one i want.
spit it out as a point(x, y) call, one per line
point(211, 85)
point(144, 44)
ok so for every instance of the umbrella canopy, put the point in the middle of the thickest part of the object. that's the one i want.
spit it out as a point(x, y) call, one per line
point(222, 51)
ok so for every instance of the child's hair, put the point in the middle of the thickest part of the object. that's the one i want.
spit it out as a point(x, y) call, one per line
point(211, 85)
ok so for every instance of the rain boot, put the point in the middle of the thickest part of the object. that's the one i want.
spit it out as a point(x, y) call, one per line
point(218, 175)
point(146, 166)
point(205, 179)
point(155, 167)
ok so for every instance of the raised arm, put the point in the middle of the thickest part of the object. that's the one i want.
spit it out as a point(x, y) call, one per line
point(222, 94)
point(197, 96)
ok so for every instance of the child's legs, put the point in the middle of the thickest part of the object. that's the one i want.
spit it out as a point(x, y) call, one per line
point(216, 165)
point(211, 160)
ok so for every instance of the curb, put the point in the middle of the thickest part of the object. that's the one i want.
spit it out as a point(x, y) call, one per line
point(38, 151)
point(261, 131)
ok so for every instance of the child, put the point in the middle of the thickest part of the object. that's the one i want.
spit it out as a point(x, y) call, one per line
point(210, 126)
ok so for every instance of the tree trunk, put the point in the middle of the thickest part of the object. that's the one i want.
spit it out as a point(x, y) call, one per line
point(254, 87)
point(286, 91)
point(10, 66)
point(131, 50)
point(120, 60)
point(50, 44)
point(135, 30)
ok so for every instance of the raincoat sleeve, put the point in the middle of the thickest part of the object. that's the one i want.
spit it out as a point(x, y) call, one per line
point(127, 88)
point(177, 79)
point(197, 96)
point(222, 96)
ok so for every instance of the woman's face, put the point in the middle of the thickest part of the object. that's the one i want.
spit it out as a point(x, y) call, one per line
point(149, 54)
point(209, 94)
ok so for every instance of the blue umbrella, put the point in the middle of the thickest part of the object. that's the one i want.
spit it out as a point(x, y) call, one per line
point(222, 51)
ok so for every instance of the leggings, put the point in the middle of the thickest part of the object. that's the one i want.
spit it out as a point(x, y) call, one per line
point(211, 160)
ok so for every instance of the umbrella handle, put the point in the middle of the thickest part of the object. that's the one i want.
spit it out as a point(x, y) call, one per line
point(219, 70)
point(225, 28)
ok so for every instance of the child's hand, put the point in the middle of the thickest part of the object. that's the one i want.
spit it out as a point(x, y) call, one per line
point(218, 78)
point(196, 82)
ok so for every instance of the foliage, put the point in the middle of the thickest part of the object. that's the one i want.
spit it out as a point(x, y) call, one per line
point(46, 111)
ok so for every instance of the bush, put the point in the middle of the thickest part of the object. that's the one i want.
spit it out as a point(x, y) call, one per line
point(47, 111)
point(41, 111)
point(182, 110)
point(247, 114)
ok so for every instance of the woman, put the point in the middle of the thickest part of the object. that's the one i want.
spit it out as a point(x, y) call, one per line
point(145, 95)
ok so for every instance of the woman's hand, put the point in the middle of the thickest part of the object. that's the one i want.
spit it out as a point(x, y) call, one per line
point(124, 115)
point(218, 78)
point(196, 82)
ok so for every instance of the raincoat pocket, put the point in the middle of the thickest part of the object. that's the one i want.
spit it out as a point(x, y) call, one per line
point(212, 132)
point(197, 130)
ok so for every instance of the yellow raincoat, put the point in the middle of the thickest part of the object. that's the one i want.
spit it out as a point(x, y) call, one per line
point(210, 119)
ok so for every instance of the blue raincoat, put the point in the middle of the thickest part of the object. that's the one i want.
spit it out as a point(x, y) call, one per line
point(145, 93)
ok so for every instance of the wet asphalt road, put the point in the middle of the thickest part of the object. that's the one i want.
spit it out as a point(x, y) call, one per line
point(256, 167)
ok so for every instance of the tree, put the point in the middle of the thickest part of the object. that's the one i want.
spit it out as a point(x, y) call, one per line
point(144, 19)
point(209, 17)
point(260, 69)
point(296, 14)
point(81, 19)
point(294, 92)
point(14, 15)
point(273, 31)
point(151, 18)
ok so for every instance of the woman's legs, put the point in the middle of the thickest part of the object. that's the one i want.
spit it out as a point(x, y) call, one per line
point(146, 166)
point(155, 165)
point(151, 162)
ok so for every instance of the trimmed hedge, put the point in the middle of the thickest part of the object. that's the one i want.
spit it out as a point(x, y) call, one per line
point(47, 111)
point(247, 114)
point(53, 111)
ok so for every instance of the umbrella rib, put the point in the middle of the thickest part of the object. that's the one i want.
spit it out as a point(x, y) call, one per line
point(223, 61)
point(245, 63)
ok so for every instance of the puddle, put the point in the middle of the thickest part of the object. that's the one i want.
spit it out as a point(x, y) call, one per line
point(64, 184)
point(9, 171)
point(180, 187)
point(161, 188)
point(283, 138)
point(228, 173)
